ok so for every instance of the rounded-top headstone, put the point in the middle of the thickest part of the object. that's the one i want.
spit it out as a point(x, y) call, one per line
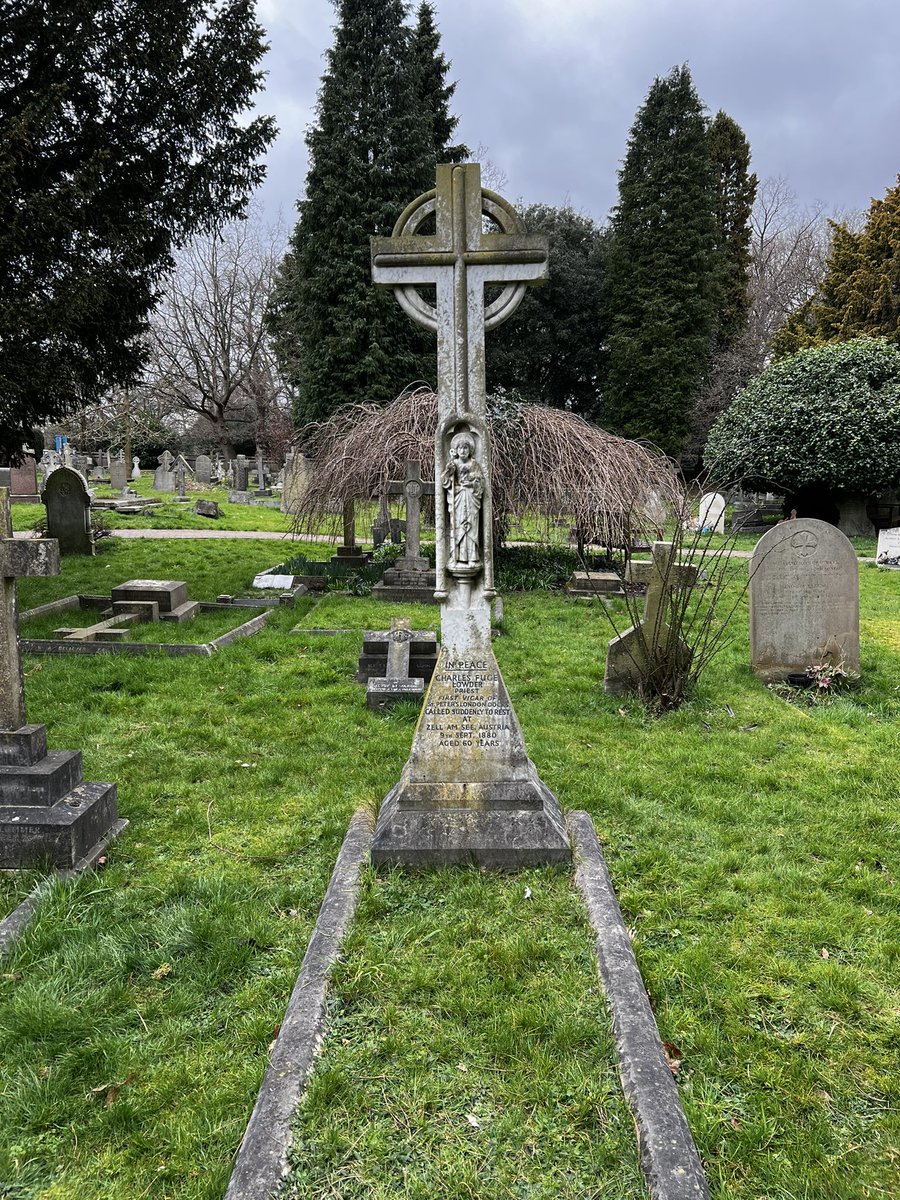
point(712, 513)
point(804, 599)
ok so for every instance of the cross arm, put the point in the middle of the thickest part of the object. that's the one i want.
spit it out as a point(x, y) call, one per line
point(29, 558)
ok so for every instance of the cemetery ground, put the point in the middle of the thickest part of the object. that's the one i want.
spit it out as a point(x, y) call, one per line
point(752, 842)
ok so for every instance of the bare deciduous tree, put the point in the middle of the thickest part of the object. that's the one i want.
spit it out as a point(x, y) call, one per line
point(209, 350)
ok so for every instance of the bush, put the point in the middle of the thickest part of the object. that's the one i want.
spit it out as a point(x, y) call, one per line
point(826, 417)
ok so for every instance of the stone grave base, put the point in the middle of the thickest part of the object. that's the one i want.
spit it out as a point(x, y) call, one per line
point(594, 585)
point(501, 838)
point(48, 814)
point(412, 583)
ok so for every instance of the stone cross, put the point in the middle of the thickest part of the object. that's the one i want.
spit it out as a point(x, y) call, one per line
point(468, 792)
point(662, 575)
point(628, 656)
point(165, 460)
point(397, 683)
point(413, 487)
point(349, 521)
point(179, 477)
point(17, 559)
point(460, 259)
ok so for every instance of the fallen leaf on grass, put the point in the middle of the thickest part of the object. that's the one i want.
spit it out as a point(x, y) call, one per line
point(112, 1090)
point(473, 1120)
point(162, 971)
point(674, 1056)
point(823, 953)
point(528, 893)
point(462, 1067)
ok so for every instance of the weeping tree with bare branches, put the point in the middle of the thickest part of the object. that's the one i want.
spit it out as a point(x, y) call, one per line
point(546, 463)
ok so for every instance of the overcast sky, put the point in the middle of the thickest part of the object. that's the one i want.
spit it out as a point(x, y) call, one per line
point(551, 87)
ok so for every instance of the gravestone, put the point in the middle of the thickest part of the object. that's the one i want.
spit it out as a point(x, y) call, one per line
point(711, 517)
point(261, 489)
point(203, 469)
point(651, 644)
point(23, 486)
point(888, 552)
point(594, 585)
point(47, 812)
point(409, 577)
point(68, 505)
point(469, 792)
point(169, 595)
point(179, 473)
point(118, 475)
point(804, 599)
point(398, 682)
point(163, 477)
point(373, 661)
point(240, 473)
point(135, 468)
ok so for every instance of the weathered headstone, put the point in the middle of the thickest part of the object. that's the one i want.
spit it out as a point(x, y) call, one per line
point(118, 474)
point(203, 469)
point(179, 473)
point(23, 486)
point(163, 478)
point(169, 595)
point(47, 812)
point(711, 517)
point(68, 505)
point(397, 683)
point(240, 473)
point(888, 552)
point(207, 508)
point(135, 467)
point(651, 644)
point(804, 599)
point(469, 791)
point(373, 661)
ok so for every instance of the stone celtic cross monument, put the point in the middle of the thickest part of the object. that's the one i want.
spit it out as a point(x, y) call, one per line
point(469, 792)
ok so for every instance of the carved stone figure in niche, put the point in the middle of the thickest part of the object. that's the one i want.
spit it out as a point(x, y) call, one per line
point(463, 480)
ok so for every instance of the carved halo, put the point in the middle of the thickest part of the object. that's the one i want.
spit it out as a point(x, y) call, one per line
point(410, 221)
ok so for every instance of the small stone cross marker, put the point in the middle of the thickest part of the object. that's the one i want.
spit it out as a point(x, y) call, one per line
point(397, 684)
point(651, 638)
point(413, 487)
point(17, 559)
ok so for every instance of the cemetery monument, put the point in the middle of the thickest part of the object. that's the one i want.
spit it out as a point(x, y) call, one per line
point(804, 599)
point(68, 503)
point(468, 792)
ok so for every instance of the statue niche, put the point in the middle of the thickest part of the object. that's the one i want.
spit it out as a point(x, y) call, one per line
point(464, 484)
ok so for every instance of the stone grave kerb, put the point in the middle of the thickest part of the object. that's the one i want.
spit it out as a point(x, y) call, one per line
point(17, 559)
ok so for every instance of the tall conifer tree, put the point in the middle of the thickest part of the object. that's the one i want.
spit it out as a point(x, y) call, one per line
point(735, 193)
point(663, 286)
point(431, 67)
point(371, 151)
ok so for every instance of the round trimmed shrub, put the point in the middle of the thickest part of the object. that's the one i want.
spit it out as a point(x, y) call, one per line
point(827, 417)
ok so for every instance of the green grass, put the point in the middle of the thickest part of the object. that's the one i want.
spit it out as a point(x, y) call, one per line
point(136, 1013)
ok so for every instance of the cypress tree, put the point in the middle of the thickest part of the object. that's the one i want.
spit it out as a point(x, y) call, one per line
point(430, 68)
point(371, 151)
point(735, 193)
point(663, 285)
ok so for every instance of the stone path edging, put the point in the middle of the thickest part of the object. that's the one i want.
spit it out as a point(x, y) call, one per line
point(668, 1155)
point(262, 1158)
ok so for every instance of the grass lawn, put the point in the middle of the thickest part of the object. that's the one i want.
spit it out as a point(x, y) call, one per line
point(753, 844)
